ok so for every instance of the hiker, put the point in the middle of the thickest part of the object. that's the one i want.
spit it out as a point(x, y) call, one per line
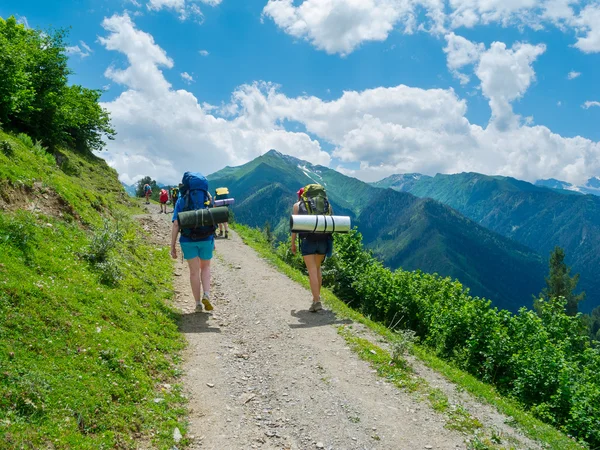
point(147, 193)
point(174, 195)
point(197, 244)
point(163, 198)
point(222, 194)
point(315, 247)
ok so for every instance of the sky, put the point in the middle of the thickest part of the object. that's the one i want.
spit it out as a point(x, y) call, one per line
point(366, 87)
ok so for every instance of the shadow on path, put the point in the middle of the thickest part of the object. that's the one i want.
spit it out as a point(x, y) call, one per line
point(309, 319)
point(196, 322)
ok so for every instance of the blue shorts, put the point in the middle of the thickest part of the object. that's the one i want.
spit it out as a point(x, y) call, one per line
point(316, 247)
point(197, 249)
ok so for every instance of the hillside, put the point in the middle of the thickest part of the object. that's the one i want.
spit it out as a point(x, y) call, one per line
point(86, 338)
point(401, 229)
point(535, 216)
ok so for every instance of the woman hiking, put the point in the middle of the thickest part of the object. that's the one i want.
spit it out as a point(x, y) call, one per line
point(315, 248)
point(197, 244)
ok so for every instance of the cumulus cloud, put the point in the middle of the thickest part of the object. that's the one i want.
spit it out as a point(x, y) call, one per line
point(505, 75)
point(341, 26)
point(589, 104)
point(204, 53)
point(572, 75)
point(163, 132)
point(461, 52)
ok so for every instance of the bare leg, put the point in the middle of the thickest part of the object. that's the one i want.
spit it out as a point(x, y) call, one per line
point(194, 265)
point(313, 265)
point(205, 274)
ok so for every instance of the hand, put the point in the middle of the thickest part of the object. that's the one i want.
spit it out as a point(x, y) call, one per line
point(294, 250)
point(174, 252)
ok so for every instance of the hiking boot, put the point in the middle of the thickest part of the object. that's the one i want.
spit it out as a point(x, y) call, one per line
point(198, 307)
point(316, 306)
point(226, 234)
point(207, 305)
point(220, 232)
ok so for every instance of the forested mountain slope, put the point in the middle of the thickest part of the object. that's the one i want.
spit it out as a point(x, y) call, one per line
point(538, 217)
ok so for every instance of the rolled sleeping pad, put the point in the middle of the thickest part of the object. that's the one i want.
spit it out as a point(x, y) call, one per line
point(225, 202)
point(203, 217)
point(319, 224)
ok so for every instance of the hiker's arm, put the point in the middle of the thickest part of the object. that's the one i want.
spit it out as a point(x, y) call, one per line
point(174, 233)
point(295, 212)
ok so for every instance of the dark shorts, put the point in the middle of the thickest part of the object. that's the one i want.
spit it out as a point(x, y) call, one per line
point(316, 246)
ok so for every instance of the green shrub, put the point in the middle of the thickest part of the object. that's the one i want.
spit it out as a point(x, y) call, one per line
point(25, 139)
point(6, 149)
point(100, 253)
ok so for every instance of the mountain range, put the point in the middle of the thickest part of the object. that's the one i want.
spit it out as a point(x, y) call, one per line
point(537, 216)
point(402, 229)
point(592, 186)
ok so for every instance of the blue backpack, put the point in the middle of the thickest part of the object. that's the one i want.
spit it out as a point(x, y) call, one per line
point(194, 193)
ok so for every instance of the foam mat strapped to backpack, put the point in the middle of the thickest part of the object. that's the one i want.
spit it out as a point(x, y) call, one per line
point(319, 224)
point(203, 217)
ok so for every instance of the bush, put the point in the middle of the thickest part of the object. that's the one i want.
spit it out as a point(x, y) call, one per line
point(100, 252)
point(25, 139)
point(6, 149)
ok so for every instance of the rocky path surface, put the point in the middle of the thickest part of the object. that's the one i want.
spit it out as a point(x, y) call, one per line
point(263, 372)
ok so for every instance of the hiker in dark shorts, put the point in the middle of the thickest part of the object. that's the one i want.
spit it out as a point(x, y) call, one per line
point(314, 249)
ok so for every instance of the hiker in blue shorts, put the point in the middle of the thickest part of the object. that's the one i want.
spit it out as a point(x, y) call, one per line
point(197, 244)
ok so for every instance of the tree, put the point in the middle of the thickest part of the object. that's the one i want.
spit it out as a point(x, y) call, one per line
point(560, 283)
point(35, 97)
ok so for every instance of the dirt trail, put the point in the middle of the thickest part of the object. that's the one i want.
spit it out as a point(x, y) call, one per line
point(263, 372)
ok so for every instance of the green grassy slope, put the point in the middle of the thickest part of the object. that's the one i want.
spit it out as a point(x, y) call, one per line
point(88, 347)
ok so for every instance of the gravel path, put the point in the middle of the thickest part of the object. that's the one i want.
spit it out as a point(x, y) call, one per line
point(263, 372)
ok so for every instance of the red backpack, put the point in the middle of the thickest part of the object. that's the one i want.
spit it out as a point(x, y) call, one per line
point(164, 196)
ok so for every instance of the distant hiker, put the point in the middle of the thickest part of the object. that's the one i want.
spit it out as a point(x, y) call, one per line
point(315, 247)
point(147, 193)
point(222, 194)
point(174, 195)
point(197, 244)
point(163, 198)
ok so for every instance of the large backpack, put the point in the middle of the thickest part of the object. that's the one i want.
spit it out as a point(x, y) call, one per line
point(313, 201)
point(221, 193)
point(194, 193)
point(164, 196)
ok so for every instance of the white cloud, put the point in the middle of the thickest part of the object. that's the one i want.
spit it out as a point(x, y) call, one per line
point(204, 52)
point(187, 78)
point(505, 75)
point(83, 52)
point(589, 104)
point(572, 75)
point(163, 132)
point(588, 23)
point(185, 8)
point(340, 26)
point(461, 52)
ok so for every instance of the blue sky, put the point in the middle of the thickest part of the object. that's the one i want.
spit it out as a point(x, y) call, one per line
point(274, 74)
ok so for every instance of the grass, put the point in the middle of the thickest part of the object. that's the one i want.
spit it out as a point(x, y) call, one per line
point(89, 349)
point(529, 425)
